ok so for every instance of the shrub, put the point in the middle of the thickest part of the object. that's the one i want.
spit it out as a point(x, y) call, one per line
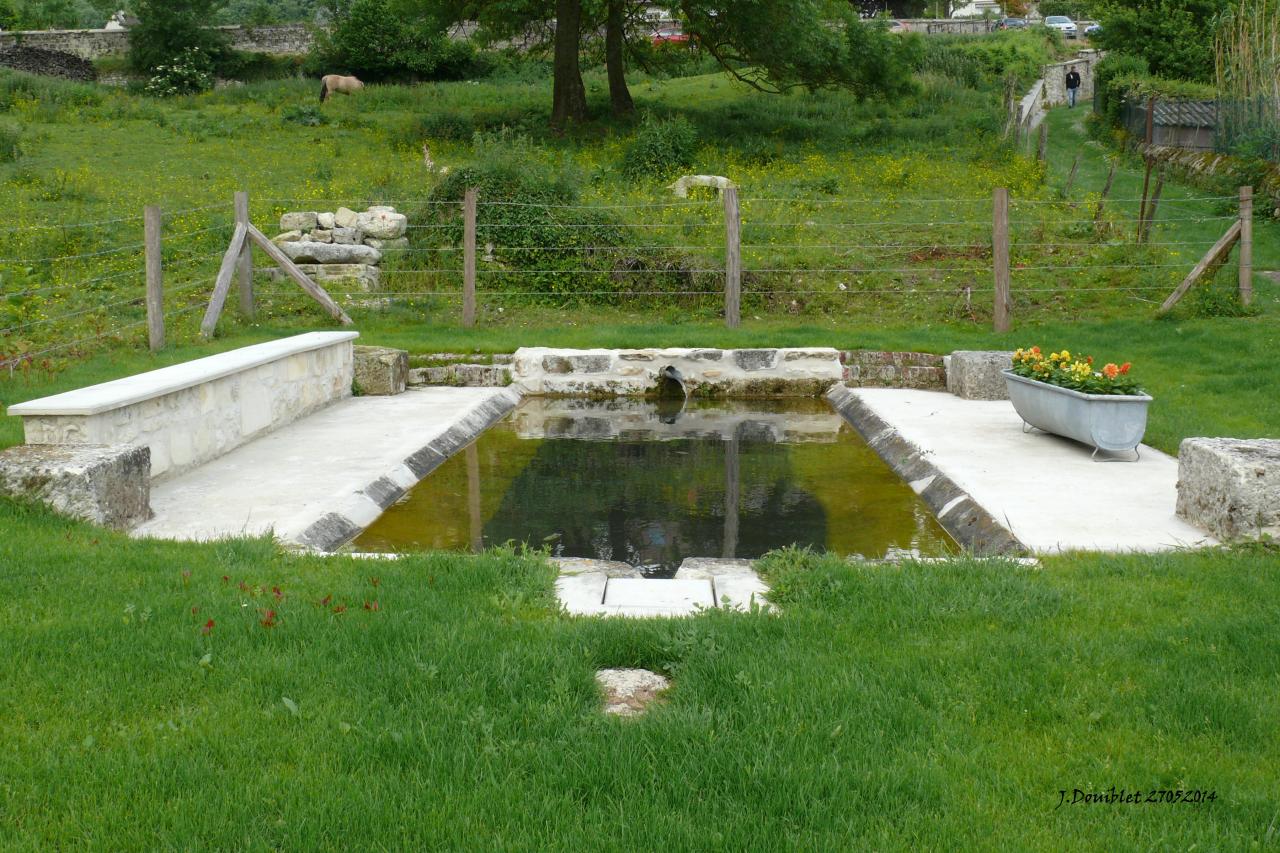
point(171, 28)
point(376, 43)
point(189, 74)
point(661, 148)
point(307, 115)
point(1110, 97)
point(10, 143)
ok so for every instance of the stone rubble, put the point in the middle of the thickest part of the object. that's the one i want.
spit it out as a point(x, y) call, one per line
point(342, 246)
point(630, 692)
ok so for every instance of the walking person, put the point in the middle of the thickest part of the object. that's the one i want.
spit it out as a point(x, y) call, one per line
point(1073, 85)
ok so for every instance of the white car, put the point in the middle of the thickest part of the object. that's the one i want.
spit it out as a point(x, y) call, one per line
point(1062, 24)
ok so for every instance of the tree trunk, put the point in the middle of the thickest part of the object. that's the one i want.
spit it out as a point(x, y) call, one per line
point(569, 96)
point(615, 59)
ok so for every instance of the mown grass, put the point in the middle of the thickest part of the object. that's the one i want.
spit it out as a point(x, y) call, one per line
point(895, 708)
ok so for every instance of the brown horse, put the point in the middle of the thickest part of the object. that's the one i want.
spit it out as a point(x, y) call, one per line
point(334, 83)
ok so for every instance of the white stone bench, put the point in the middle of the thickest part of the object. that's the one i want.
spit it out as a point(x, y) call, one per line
point(191, 413)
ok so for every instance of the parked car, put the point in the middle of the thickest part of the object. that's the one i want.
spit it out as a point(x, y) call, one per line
point(1092, 30)
point(898, 27)
point(1062, 24)
point(670, 34)
point(1012, 24)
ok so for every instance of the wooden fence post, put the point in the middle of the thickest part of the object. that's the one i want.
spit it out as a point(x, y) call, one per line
point(1000, 257)
point(733, 259)
point(1144, 227)
point(1042, 149)
point(244, 267)
point(152, 225)
point(469, 260)
point(1071, 179)
point(1246, 245)
point(1106, 191)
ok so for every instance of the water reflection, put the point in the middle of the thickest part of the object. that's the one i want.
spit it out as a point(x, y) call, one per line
point(625, 480)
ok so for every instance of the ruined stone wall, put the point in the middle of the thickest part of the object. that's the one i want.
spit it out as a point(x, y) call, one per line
point(282, 40)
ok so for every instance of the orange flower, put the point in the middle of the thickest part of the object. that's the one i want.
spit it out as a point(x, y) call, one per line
point(1111, 371)
point(1124, 368)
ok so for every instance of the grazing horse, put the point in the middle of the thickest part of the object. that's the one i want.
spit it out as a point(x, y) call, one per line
point(333, 83)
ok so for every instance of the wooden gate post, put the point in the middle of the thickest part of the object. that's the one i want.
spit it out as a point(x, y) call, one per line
point(733, 259)
point(469, 260)
point(244, 267)
point(152, 225)
point(1000, 257)
point(1246, 245)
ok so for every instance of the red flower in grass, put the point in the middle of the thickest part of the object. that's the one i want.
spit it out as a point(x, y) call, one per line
point(244, 587)
point(1124, 368)
point(226, 579)
point(371, 605)
point(324, 602)
point(268, 618)
point(340, 608)
point(275, 590)
point(208, 628)
point(375, 581)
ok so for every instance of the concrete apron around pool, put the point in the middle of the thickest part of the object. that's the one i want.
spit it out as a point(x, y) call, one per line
point(999, 490)
point(320, 481)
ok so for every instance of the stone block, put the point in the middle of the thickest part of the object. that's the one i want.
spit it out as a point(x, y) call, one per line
point(1230, 486)
point(400, 244)
point(345, 218)
point(975, 374)
point(321, 236)
point(287, 237)
point(348, 236)
point(381, 371)
point(311, 252)
point(755, 359)
point(299, 221)
point(103, 484)
point(326, 221)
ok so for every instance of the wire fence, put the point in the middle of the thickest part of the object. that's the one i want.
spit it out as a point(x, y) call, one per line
point(71, 289)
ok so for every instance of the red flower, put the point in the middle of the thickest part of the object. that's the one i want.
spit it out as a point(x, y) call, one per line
point(226, 579)
point(341, 608)
point(1124, 368)
point(275, 590)
point(244, 587)
point(208, 628)
point(371, 605)
point(324, 602)
point(268, 619)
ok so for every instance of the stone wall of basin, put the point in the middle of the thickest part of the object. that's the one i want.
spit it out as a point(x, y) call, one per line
point(703, 372)
point(635, 420)
point(195, 424)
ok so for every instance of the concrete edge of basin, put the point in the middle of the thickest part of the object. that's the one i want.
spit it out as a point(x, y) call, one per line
point(973, 528)
point(345, 522)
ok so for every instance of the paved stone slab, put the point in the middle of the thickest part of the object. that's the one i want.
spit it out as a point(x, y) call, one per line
point(1230, 486)
point(735, 583)
point(337, 469)
point(1044, 489)
point(582, 594)
point(676, 597)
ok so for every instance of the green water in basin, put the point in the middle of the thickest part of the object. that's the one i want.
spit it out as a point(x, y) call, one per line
point(650, 484)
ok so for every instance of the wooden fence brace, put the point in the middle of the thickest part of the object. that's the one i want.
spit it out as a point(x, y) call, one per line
point(733, 259)
point(1071, 179)
point(1211, 260)
point(1000, 257)
point(152, 230)
point(222, 284)
point(469, 260)
point(244, 269)
point(1152, 206)
point(1246, 245)
point(1106, 191)
point(1042, 149)
point(312, 289)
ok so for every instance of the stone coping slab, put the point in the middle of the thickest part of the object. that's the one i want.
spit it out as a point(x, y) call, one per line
point(319, 482)
point(119, 393)
point(999, 490)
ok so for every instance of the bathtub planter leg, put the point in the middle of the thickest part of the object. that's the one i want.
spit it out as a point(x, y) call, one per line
point(1105, 422)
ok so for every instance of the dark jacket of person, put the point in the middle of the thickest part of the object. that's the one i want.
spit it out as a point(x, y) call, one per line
point(1073, 80)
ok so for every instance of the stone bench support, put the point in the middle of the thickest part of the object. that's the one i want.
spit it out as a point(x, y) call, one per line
point(191, 413)
point(1230, 486)
point(110, 486)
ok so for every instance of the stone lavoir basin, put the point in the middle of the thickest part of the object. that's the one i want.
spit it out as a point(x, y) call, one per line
point(650, 483)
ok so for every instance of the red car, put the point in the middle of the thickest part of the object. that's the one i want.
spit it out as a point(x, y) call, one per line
point(670, 34)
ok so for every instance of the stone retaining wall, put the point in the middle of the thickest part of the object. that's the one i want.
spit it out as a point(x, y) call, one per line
point(875, 369)
point(1055, 78)
point(279, 40)
point(702, 372)
point(200, 410)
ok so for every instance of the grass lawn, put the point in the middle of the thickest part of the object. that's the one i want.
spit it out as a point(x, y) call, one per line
point(896, 708)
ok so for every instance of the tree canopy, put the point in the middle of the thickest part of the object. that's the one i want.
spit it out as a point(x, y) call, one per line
point(1174, 36)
